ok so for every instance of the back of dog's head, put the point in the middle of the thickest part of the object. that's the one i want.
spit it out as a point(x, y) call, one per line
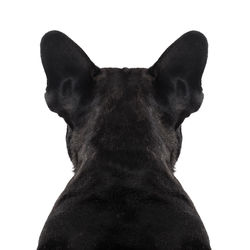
point(124, 137)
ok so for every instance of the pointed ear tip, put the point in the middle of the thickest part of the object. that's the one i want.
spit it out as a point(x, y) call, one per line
point(50, 36)
point(197, 35)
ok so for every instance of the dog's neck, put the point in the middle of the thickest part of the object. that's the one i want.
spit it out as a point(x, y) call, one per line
point(130, 147)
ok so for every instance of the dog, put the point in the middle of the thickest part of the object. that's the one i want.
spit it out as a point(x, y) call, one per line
point(124, 138)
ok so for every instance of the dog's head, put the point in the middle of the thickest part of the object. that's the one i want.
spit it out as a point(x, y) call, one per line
point(124, 137)
point(124, 109)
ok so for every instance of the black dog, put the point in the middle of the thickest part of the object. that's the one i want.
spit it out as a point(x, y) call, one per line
point(124, 137)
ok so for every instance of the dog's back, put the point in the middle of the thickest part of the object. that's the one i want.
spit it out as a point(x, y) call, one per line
point(116, 214)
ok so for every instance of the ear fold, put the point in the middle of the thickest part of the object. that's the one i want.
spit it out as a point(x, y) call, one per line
point(69, 74)
point(178, 74)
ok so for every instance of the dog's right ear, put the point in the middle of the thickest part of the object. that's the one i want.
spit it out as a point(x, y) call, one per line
point(69, 74)
point(178, 74)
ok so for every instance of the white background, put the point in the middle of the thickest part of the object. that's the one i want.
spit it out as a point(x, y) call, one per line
point(214, 164)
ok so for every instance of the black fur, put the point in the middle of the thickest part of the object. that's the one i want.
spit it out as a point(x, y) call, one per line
point(124, 137)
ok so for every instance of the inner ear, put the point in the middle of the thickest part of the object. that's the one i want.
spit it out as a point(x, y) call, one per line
point(69, 74)
point(178, 74)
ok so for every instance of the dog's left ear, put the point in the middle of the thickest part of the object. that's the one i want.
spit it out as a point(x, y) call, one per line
point(178, 75)
point(69, 74)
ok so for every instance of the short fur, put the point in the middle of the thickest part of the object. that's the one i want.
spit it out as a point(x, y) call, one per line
point(124, 137)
